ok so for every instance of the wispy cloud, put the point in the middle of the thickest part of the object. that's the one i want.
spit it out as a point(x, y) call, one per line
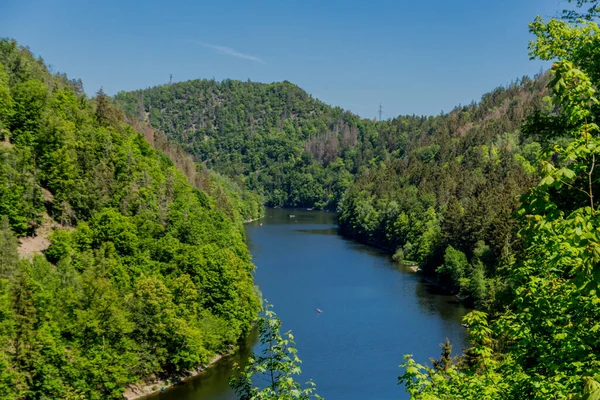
point(228, 51)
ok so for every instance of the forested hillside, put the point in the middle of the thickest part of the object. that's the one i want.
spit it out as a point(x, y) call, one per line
point(540, 341)
point(274, 139)
point(237, 202)
point(145, 274)
point(447, 201)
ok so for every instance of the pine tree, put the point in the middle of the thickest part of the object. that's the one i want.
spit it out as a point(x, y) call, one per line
point(9, 255)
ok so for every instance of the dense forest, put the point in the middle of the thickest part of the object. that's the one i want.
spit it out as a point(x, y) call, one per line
point(540, 339)
point(273, 139)
point(296, 151)
point(440, 191)
point(146, 274)
point(237, 202)
point(447, 200)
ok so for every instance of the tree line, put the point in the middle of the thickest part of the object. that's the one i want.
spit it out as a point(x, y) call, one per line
point(539, 340)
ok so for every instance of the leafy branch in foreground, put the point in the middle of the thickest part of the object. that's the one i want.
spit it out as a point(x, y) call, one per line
point(276, 366)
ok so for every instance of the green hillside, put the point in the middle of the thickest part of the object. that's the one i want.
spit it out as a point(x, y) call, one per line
point(145, 275)
point(447, 198)
point(540, 340)
point(274, 138)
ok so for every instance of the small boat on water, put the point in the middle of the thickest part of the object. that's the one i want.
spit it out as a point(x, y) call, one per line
point(292, 216)
point(415, 268)
point(319, 310)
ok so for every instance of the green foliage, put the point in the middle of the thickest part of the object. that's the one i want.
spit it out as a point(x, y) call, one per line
point(296, 151)
point(455, 182)
point(146, 275)
point(398, 255)
point(542, 342)
point(277, 365)
point(6, 102)
point(455, 265)
point(274, 139)
point(232, 198)
point(9, 256)
point(593, 10)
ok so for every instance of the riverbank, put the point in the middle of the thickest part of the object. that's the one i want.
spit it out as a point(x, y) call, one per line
point(141, 391)
point(425, 277)
point(151, 388)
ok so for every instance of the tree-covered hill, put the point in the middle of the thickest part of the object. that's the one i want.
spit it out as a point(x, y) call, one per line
point(447, 196)
point(146, 274)
point(295, 150)
point(237, 202)
point(273, 138)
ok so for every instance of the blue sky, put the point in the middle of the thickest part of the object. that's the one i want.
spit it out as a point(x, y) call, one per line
point(412, 56)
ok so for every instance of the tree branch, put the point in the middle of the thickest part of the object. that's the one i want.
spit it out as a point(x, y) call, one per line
point(590, 182)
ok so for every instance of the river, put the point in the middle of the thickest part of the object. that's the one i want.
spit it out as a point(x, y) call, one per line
point(374, 311)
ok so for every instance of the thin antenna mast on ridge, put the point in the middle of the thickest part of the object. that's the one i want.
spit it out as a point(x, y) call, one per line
point(170, 78)
point(380, 111)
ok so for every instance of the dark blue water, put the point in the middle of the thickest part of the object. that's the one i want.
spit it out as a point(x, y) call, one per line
point(374, 311)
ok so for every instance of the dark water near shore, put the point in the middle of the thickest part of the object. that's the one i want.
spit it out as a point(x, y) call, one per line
point(374, 311)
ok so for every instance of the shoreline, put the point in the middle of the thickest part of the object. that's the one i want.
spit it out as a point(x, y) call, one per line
point(425, 277)
point(147, 389)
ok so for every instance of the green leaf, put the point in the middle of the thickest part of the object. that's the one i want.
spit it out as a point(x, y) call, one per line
point(548, 180)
